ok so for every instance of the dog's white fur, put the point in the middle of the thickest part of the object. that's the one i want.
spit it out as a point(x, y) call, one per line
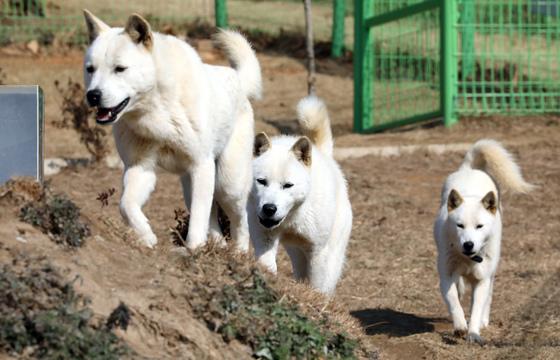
point(471, 212)
point(313, 219)
point(190, 118)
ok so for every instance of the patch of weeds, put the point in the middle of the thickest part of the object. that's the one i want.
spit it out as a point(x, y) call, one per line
point(58, 217)
point(253, 313)
point(45, 37)
point(43, 317)
point(104, 196)
point(180, 231)
point(120, 317)
point(76, 114)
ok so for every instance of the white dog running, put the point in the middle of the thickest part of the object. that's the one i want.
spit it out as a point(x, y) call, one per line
point(468, 231)
point(171, 110)
point(300, 199)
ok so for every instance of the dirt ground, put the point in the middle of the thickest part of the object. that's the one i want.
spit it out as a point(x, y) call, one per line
point(390, 284)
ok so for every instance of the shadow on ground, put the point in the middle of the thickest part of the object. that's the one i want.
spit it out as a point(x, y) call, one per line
point(393, 323)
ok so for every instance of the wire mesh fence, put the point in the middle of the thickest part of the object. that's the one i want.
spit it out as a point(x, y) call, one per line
point(406, 64)
point(455, 57)
point(508, 56)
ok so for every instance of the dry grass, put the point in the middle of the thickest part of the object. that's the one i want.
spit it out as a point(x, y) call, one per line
point(76, 115)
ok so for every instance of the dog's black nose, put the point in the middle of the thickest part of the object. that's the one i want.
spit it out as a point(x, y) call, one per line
point(269, 209)
point(468, 246)
point(93, 97)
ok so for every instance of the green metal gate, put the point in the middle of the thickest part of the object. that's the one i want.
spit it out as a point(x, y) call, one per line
point(421, 59)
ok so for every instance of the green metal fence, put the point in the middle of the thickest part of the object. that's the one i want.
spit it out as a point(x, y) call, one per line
point(422, 59)
point(508, 56)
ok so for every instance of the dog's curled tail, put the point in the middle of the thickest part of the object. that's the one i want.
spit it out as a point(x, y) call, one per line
point(491, 157)
point(315, 124)
point(243, 59)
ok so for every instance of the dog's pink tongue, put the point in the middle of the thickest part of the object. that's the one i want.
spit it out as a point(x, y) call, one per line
point(103, 114)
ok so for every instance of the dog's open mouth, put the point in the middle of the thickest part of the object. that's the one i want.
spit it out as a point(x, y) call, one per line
point(473, 256)
point(106, 116)
point(269, 223)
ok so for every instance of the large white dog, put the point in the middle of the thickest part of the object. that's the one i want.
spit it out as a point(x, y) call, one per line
point(169, 109)
point(300, 199)
point(468, 231)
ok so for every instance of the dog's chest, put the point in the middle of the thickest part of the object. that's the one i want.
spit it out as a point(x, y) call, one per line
point(465, 267)
point(172, 160)
point(292, 238)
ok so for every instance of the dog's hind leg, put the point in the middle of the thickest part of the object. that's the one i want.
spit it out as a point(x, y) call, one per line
point(214, 231)
point(215, 234)
point(235, 176)
point(202, 178)
point(138, 184)
point(186, 185)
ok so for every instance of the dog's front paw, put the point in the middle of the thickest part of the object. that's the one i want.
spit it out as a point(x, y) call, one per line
point(150, 240)
point(459, 332)
point(460, 327)
point(193, 244)
point(475, 338)
point(217, 239)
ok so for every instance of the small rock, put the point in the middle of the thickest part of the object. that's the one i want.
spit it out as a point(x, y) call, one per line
point(113, 161)
point(53, 166)
point(33, 46)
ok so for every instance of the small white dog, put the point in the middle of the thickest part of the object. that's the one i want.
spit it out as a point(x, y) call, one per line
point(468, 231)
point(300, 200)
point(171, 110)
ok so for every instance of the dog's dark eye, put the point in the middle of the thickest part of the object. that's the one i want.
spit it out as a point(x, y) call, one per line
point(90, 69)
point(262, 182)
point(119, 69)
point(287, 185)
point(479, 226)
point(460, 226)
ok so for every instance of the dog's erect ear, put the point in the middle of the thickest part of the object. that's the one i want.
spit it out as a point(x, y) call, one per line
point(94, 25)
point(454, 200)
point(261, 144)
point(490, 202)
point(139, 30)
point(302, 150)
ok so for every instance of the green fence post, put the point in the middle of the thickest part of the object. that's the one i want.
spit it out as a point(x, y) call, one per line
point(467, 38)
point(339, 12)
point(363, 66)
point(448, 51)
point(220, 9)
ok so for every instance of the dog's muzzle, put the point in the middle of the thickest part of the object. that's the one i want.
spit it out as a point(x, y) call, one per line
point(269, 223)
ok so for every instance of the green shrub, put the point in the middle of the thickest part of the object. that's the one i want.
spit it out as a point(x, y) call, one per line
point(57, 216)
point(43, 317)
point(253, 313)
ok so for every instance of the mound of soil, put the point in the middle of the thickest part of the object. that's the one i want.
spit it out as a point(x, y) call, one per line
point(212, 303)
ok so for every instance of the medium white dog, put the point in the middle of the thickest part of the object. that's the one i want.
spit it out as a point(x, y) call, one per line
point(300, 199)
point(468, 231)
point(169, 109)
